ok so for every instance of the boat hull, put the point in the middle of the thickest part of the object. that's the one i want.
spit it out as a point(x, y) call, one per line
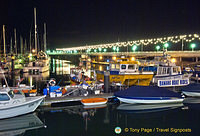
point(141, 79)
point(30, 104)
point(192, 94)
point(94, 101)
point(150, 100)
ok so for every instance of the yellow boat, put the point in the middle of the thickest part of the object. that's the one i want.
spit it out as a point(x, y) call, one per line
point(127, 72)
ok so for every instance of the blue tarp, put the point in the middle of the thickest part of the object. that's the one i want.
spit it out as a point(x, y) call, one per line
point(191, 88)
point(146, 91)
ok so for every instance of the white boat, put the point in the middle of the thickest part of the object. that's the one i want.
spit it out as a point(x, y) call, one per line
point(192, 90)
point(39, 66)
point(148, 95)
point(94, 101)
point(12, 105)
point(19, 125)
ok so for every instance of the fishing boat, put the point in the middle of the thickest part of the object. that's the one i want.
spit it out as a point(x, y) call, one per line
point(192, 90)
point(126, 72)
point(168, 74)
point(12, 105)
point(148, 95)
point(94, 101)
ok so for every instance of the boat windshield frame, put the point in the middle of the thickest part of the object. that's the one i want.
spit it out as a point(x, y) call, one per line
point(11, 93)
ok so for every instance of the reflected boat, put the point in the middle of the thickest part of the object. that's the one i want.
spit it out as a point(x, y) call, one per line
point(192, 103)
point(20, 124)
point(141, 108)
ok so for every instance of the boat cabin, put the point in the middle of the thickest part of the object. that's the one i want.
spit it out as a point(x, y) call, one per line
point(168, 70)
point(125, 66)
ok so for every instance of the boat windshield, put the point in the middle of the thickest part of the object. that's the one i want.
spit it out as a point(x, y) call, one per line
point(4, 97)
point(11, 93)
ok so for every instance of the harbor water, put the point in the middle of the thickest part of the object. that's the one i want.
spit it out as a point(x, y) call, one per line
point(106, 120)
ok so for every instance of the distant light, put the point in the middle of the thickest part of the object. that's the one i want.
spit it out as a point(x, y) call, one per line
point(100, 68)
point(157, 47)
point(100, 49)
point(173, 60)
point(117, 49)
point(166, 45)
point(132, 58)
point(114, 58)
point(33, 50)
point(20, 60)
point(100, 57)
point(134, 48)
point(104, 50)
point(114, 48)
point(95, 50)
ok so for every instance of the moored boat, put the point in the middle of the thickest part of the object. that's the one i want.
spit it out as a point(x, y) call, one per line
point(126, 72)
point(12, 105)
point(148, 95)
point(192, 90)
point(94, 101)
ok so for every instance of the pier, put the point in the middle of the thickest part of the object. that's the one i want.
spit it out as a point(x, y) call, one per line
point(49, 101)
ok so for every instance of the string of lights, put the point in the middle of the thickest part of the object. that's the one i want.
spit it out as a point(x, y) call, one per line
point(145, 42)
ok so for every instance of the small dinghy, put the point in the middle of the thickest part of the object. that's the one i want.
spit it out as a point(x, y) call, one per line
point(192, 90)
point(94, 101)
point(148, 95)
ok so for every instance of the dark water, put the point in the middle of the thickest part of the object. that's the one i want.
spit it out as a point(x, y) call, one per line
point(102, 121)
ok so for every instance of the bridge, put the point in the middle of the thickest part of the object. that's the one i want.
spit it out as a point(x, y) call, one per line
point(182, 46)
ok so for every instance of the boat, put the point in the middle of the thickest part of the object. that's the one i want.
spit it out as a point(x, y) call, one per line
point(94, 101)
point(40, 65)
point(12, 104)
point(192, 90)
point(148, 95)
point(168, 74)
point(196, 73)
point(126, 72)
point(19, 125)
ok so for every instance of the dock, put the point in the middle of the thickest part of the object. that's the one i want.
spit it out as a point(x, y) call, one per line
point(49, 101)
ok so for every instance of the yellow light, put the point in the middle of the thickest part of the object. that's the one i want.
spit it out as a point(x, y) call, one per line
point(173, 60)
point(100, 68)
point(33, 50)
point(132, 58)
point(100, 57)
point(114, 58)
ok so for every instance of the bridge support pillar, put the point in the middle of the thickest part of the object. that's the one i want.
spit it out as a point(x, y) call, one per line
point(197, 59)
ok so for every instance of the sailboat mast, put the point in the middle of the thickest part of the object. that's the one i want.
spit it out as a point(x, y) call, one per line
point(4, 42)
point(15, 41)
point(35, 31)
point(45, 38)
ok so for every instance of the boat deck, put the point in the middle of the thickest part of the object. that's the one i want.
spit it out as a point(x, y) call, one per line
point(48, 101)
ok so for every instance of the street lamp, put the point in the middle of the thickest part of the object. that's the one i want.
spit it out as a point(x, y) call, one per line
point(114, 48)
point(134, 48)
point(166, 45)
point(157, 47)
point(193, 45)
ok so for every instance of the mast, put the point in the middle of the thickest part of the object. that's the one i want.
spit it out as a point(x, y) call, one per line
point(4, 42)
point(11, 46)
point(30, 43)
point(21, 45)
point(15, 41)
point(35, 31)
point(45, 38)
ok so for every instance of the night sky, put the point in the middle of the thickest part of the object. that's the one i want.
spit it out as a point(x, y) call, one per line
point(80, 22)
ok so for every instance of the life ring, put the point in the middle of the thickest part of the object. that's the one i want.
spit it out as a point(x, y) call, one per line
point(52, 82)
